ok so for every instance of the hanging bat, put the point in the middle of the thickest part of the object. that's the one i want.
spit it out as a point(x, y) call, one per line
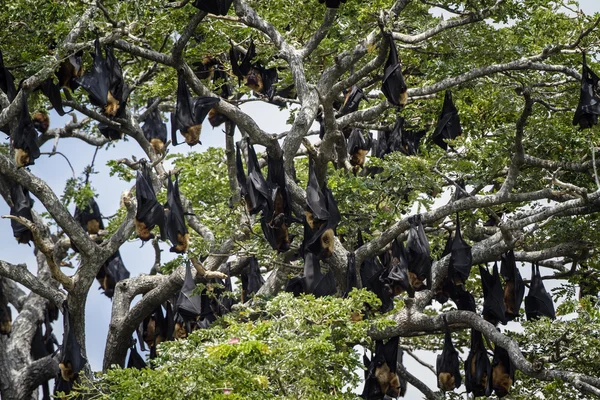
point(397, 273)
point(332, 3)
point(259, 191)
point(493, 296)
point(463, 299)
point(24, 139)
point(382, 379)
point(277, 215)
point(418, 255)
point(7, 81)
point(41, 121)
point(393, 85)
point(135, 359)
point(252, 280)
point(461, 259)
point(502, 373)
point(204, 69)
point(403, 140)
point(538, 302)
point(104, 83)
point(70, 71)
point(359, 144)
point(188, 305)
point(242, 179)
point(5, 313)
point(150, 212)
point(447, 364)
point(262, 80)
point(21, 207)
point(477, 366)
point(316, 282)
point(448, 126)
point(153, 330)
point(321, 217)
point(90, 218)
point(225, 299)
point(176, 229)
point(372, 274)
point(155, 130)
point(514, 291)
point(112, 272)
point(52, 91)
point(242, 69)
point(588, 108)
point(189, 114)
point(217, 7)
point(351, 277)
point(71, 361)
point(352, 100)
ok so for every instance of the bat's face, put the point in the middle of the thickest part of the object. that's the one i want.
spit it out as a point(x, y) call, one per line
point(358, 157)
point(215, 118)
point(112, 105)
point(93, 226)
point(192, 135)
point(446, 381)
point(327, 242)
point(66, 371)
point(157, 145)
point(22, 158)
point(142, 230)
point(254, 80)
point(182, 243)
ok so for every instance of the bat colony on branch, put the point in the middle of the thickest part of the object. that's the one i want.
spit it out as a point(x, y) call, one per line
point(400, 268)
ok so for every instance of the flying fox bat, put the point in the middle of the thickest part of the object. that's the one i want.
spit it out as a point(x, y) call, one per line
point(149, 211)
point(359, 144)
point(217, 7)
point(252, 280)
point(104, 83)
point(418, 255)
point(175, 227)
point(21, 207)
point(381, 376)
point(352, 100)
point(372, 275)
point(477, 366)
point(332, 3)
point(71, 361)
point(461, 259)
point(277, 215)
point(393, 85)
point(397, 276)
point(321, 217)
point(135, 359)
point(447, 364)
point(538, 302)
point(111, 272)
point(588, 108)
point(502, 373)
point(155, 130)
point(90, 218)
point(514, 291)
point(7, 81)
point(448, 126)
point(493, 296)
point(70, 70)
point(189, 114)
point(24, 139)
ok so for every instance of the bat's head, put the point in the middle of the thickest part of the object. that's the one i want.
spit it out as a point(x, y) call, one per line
point(22, 158)
point(254, 80)
point(158, 145)
point(192, 134)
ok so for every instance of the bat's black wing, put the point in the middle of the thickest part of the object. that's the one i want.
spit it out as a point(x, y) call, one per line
point(135, 360)
point(448, 126)
point(154, 127)
point(463, 299)
point(502, 373)
point(115, 268)
point(149, 211)
point(7, 81)
point(217, 7)
point(240, 174)
point(175, 221)
point(538, 302)
point(477, 366)
point(315, 199)
point(418, 253)
point(188, 305)
point(398, 272)
point(183, 118)
point(352, 101)
point(332, 3)
point(22, 204)
point(351, 278)
point(393, 85)
point(588, 108)
point(494, 310)
point(514, 291)
point(202, 106)
point(97, 81)
point(52, 91)
point(461, 259)
point(258, 189)
point(25, 137)
point(448, 365)
point(70, 355)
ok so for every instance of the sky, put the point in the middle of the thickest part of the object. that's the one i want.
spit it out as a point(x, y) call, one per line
point(137, 259)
